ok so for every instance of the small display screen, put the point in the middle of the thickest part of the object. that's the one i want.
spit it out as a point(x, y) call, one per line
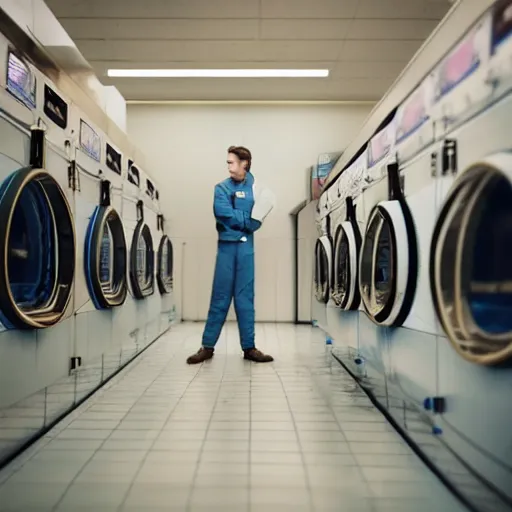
point(90, 141)
point(133, 174)
point(463, 61)
point(380, 144)
point(21, 82)
point(412, 114)
point(55, 107)
point(113, 159)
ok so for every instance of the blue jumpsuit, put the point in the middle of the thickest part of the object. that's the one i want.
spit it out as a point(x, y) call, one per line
point(234, 268)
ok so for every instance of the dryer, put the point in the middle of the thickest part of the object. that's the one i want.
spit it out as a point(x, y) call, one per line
point(348, 237)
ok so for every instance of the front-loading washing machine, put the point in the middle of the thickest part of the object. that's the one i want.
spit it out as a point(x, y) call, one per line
point(140, 229)
point(470, 251)
point(101, 281)
point(153, 301)
point(165, 272)
point(38, 255)
point(344, 312)
point(322, 261)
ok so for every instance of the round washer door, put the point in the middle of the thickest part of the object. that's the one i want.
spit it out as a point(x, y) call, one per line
point(388, 264)
point(105, 258)
point(471, 262)
point(165, 265)
point(142, 262)
point(37, 261)
point(323, 268)
point(345, 286)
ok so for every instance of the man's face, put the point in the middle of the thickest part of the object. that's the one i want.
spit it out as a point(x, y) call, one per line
point(236, 167)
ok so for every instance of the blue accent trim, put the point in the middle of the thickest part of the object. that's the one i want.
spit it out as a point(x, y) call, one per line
point(372, 163)
point(412, 130)
point(6, 184)
point(448, 88)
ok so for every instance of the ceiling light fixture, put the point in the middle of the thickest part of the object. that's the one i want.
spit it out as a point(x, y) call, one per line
point(218, 73)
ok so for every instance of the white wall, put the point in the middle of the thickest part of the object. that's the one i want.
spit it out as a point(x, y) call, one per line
point(186, 145)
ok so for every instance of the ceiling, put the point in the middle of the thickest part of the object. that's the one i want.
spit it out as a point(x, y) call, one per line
point(364, 44)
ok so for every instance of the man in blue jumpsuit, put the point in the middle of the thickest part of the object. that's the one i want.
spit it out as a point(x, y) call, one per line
point(237, 218)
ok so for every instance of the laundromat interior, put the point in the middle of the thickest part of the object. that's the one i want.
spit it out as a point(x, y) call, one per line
point(256, 255)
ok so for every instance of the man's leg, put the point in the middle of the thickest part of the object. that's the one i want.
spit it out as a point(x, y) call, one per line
point(244, 302)
point(222, 293)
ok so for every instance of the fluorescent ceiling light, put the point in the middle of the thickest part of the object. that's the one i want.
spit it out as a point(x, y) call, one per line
point(219, 73)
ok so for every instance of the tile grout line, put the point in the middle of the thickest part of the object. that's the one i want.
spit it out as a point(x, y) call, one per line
point(42, 443)
point(308, 483)
point(121, 505)
point(329, 405)
point(54, 508)
point(188, 506)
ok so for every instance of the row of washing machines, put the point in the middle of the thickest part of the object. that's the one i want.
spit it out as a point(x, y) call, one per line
point(413, 264)
point(86, 267)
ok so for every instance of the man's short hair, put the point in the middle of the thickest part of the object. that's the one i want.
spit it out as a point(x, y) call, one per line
point(243, 154)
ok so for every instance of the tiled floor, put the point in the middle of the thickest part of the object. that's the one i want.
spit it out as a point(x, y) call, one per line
point(294, 435)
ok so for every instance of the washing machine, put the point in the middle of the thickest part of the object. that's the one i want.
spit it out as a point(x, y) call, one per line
point(343, 310)
point(165, 260)
point(323, 251)
point(165, 272)
point(39, 245)
point(139, 221)
point(322, 264)
point(101, 259)
point(151, 237)
point(470, 252)
point(377, 199)
point(347, 241)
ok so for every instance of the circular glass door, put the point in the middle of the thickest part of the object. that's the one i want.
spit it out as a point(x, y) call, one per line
point(38, 256)
point(345, 290)
point(142, 262)
point(105, 258)
point(388, 266)
point(165, 265)
point(378, 266)
point(471, 255)
point(322, 269)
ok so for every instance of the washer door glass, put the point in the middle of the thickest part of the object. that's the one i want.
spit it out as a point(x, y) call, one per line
point(471, 266)
point(345, 291)
point(39, 250)
point(378, 266)
point(321, 273)
point(165, 265)
point(105, 258)
point(487, 262)
point(342, 270)
point(32, 250)
point(142, 262)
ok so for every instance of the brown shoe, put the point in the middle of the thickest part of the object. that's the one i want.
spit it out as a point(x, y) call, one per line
point(201, 355)
point(253, 354)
